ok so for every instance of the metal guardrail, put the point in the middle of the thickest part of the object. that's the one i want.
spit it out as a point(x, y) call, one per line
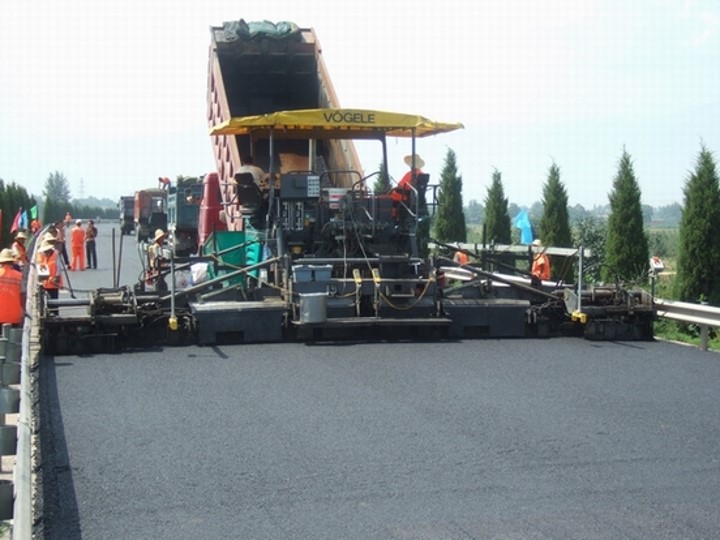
point(24, 473)
point(700, 314)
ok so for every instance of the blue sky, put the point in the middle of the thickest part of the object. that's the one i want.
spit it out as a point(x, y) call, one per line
point(112, 93)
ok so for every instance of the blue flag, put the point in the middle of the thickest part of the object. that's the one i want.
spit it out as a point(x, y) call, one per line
point(24, 220)
point(522, 222)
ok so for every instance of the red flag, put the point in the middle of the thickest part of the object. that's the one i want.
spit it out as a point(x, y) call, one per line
point(16, 221)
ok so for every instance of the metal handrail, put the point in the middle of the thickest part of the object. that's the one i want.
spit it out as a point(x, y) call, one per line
point(688, 312)
point(701, 314)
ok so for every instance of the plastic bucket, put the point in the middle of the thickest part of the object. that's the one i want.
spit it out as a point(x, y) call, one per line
point(313, 308)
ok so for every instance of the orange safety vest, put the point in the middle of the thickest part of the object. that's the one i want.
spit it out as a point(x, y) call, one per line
point(20, 253)
point(402, 191)
point(54, 280)
point(461, 257)
point(11, 309)
point(541, 267)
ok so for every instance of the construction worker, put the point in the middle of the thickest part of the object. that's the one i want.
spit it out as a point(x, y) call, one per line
point(19, 251)
point(407, 178)
point(12, 298)
point(35, 226)
point(402, 191)
point(157, 261)
point(68, 220)
point(248, 166)
point(49, 269)
point(540, 265)
point(461, 257)
point(163, 182)
point(90, 251)
point(77, 245)
point(59, 233)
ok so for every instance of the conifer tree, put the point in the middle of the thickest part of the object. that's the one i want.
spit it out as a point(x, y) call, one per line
point(382, 181)
point(497, 220)
point(13, 197)
point(57, 197)
point(555, 222)
point(626, 245)
point(697, 268)
point(57, 188)
point(450, 217)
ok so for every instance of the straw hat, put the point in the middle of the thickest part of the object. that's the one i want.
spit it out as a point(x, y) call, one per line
point(47, 245)
point(20, 236)
point(419, 163)
point(6, 256)
point(159, 233)
point(49, 237)
point(536, 242)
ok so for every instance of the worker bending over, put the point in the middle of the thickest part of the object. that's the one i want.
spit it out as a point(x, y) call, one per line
point(541, 264)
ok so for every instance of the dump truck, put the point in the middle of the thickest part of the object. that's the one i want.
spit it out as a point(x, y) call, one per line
point(258, 68)
point(149, 212)
point(127, 211)
point(183, 210)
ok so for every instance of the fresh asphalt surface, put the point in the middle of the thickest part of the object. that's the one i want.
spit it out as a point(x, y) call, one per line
point(557, 438)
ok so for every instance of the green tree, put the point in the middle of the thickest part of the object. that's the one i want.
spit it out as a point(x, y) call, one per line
point(450, 217)
point(697, 268)
point(497, 219)
point(382, 181)
point(12, 199)
point(555, 221)
point(669, 215)
point(57, 188)
point(474, 213)
point(57, 198)
point(589, 232)
point(626, 247)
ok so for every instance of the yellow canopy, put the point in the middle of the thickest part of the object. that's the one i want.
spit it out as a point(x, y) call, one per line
point(333, 124)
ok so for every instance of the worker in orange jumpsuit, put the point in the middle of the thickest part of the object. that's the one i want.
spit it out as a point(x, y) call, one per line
point(406, 181)
point(401, 192)
point(541, 264)
point(12, 298)
point(19, 251)
point(77, 244)
point(461, 257)
point(46, 260)
point(35, 226)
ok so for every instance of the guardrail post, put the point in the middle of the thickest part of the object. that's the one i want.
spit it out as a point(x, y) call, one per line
point(704, 335)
